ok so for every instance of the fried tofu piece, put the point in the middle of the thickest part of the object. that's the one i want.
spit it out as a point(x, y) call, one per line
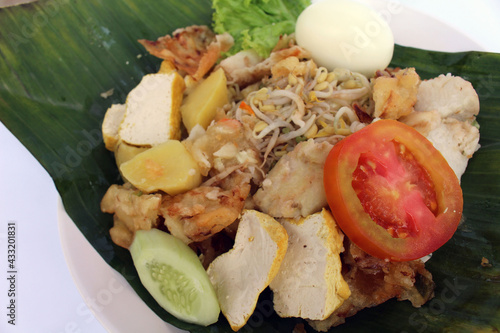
point(198, 214)
point(240, 275)
point(111, 125)
point(309, 283)
point(152, 114)
point(395, 96)
point(293, 66)
point(132, 211)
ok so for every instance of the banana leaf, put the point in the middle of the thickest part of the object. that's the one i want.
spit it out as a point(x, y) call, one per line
point(59, 56)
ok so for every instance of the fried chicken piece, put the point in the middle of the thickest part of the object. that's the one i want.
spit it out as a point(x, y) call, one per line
point(229, 158)
point(373, 281)
point(194, 49)
point(395, 96)
point(225, 144)
point(132, 211)
point(204, 211)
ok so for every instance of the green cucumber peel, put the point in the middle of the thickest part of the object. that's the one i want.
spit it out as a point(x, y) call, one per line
point(175, 277)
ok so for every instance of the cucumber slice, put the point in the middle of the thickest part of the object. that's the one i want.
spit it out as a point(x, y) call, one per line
point(175, 277)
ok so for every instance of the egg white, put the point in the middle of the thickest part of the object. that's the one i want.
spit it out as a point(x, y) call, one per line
point(345, 34)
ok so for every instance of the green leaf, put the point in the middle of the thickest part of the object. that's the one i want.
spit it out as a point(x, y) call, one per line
point(58, 56)
point(256, 24)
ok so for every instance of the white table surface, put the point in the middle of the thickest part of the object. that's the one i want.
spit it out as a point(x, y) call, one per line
point(47, 298)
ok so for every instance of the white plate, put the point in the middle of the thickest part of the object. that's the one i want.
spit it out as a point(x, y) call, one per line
point(107, 293)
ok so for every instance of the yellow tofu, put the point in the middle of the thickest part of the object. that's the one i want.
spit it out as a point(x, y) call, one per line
point(111, 125)
point(240, 275)
point(309, 283)
point(152, 114)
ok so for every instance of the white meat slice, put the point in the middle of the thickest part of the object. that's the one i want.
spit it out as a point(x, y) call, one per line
point(457, 141)
point(309, 283)
point(451, 96)
point(294, 187)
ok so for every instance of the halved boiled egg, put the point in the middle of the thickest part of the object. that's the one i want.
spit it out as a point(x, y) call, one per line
point(345, 34)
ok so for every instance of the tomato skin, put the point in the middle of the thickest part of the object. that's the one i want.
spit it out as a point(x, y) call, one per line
point(433, 228)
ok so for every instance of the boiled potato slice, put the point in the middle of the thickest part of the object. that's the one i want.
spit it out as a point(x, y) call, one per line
point(125, 152)
point(200, 106)
point(168, 167)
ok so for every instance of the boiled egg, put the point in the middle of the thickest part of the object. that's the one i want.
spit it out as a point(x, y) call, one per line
point(345, 34)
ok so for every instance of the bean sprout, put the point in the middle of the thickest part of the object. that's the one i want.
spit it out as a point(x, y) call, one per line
point(314, 105)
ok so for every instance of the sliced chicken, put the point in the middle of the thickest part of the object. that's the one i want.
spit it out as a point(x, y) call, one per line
point(445, 114)
point(294, 187)
point(451, 96)
point(457, 141)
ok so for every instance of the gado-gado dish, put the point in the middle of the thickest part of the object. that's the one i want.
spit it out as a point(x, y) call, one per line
point(261, 157)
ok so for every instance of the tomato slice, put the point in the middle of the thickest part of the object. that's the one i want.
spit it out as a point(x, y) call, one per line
point(391, 192)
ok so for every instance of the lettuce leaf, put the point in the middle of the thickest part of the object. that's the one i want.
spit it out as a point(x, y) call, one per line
point(256, 24)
